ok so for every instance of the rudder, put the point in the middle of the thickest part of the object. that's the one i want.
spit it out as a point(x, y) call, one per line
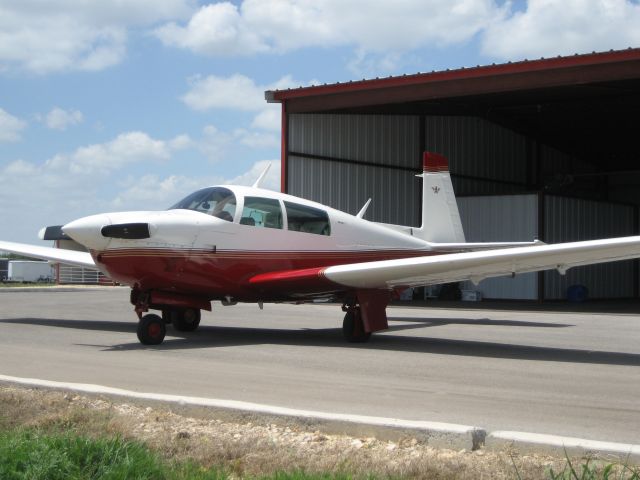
point(440, 215)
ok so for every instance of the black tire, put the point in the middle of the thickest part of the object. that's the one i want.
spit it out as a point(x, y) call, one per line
point(185, 320)
point(353, 327)
point(151, 330)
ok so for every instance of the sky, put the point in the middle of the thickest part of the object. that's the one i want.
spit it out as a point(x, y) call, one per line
point(111, 105)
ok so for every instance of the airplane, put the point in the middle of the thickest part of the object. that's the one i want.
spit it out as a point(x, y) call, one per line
point(247, 244)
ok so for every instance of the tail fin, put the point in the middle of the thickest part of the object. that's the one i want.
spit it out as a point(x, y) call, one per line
point(440, 216)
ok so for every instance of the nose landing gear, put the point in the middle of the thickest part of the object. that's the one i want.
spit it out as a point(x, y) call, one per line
point(151, 329)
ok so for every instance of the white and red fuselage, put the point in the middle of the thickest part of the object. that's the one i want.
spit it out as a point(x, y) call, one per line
point(195, 252)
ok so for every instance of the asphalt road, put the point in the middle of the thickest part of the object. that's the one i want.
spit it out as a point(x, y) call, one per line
point(563, 373)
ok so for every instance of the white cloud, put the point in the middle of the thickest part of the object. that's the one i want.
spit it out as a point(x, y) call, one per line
point(20, 168)
point(60, 119)
point(60, 35)
point(181, 142)
point(551, 27)
point(102, 158)
point(216, 29)
point(237, 92)
point(279, 26)
point(381, 34)
point(10, 127)
point(268, 119)
point(257, 139)
point(216, 144)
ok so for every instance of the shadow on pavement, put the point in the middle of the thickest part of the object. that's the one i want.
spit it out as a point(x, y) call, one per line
point(212, 337)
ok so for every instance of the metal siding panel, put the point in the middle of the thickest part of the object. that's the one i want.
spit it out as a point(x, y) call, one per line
point(478, 148)
point(395, 194)
point(570, 220)
point(483, 220)
point(380, 139)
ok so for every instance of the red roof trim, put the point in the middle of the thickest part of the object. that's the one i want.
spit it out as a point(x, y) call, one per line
point(459, 74)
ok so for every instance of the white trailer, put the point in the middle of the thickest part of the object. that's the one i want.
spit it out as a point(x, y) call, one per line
point(29, 271)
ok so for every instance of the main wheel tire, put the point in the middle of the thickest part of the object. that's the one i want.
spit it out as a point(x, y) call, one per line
point(353, 327)
point(151, 330)
point(185, 320)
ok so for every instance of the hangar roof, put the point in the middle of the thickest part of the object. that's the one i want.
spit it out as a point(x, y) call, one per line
point(587, 105)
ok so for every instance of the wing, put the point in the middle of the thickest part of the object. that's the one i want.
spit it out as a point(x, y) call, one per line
point(59, 255)
point(455, 267)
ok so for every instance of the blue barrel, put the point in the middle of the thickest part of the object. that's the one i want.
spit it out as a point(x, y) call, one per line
point(577, 293)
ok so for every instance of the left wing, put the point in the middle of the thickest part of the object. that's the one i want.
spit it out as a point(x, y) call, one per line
point(58, 255)
point(455, 267)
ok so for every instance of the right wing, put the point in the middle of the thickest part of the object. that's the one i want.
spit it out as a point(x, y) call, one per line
point(57, 255)
point(449, 267)
point(478, 265)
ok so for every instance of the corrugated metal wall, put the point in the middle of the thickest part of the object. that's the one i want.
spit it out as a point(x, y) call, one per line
point(480, 149)
point(388, 148)
point(396, 194)
point(381, 139)
point(483, 220)
point(331, 155)
point(570, 219)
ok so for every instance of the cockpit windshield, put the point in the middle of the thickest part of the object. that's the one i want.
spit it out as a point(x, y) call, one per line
point(217, 201)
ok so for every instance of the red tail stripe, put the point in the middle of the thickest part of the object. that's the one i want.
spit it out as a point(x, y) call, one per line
point(434, 162)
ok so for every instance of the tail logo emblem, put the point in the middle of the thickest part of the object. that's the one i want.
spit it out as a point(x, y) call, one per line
point(435, 189)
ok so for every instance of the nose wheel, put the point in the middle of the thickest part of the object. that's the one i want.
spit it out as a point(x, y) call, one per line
point(151, 329)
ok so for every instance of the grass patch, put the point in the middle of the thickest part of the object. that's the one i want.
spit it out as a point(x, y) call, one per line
point(590, 469)
point(33, 455)
point(29, 454)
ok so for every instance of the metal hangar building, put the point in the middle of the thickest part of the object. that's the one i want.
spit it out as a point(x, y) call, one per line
point(544, 149)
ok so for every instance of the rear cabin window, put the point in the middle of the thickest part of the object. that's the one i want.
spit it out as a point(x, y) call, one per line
point(216, 201)
point(261, 212)
point(307, 219)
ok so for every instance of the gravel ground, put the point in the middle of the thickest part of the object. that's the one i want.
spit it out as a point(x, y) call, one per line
point(254, 445)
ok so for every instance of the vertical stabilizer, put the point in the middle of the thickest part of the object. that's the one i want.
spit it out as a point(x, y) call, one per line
point(440, 216)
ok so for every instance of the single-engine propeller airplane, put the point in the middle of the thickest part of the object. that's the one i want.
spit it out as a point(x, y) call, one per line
point(246, 244)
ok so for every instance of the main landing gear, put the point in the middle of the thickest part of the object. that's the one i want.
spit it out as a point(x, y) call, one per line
point(353, 326)
point(182, 319)
point(152, 328)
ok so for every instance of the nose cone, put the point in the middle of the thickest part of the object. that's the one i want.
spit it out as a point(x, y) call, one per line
point(86, 231)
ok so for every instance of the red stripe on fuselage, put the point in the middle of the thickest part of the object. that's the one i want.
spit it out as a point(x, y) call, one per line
point(217, 274)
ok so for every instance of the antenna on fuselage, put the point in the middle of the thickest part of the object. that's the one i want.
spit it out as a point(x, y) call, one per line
point(363, 210)
point(262, 175)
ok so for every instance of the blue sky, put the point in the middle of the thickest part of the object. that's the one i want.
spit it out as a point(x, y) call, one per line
point(131, 104)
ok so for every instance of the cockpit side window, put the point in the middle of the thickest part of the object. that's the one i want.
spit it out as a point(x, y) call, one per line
point(217, 201)
point(307, 219)
point(261, 212)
